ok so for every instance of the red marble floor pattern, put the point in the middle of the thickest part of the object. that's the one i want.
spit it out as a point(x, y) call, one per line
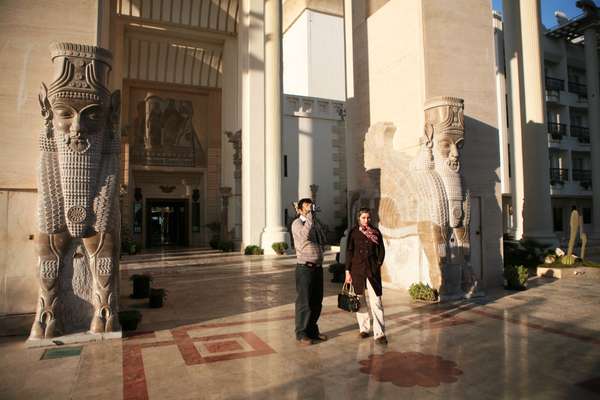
point(410, 369)
point(434, 369)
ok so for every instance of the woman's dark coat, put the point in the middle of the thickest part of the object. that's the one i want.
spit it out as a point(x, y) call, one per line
point(364, 259)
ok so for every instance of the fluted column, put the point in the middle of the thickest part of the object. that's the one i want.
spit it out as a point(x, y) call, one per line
point(591, 66)
point(274, 230)
point(514, 65)
point(537, 210)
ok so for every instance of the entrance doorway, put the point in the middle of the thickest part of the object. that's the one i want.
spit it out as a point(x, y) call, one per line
point(166, 222)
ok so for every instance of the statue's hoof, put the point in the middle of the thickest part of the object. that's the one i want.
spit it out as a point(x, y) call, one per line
point(97, 325)
point(50, 329)
point(109, 324)
point(37, 332)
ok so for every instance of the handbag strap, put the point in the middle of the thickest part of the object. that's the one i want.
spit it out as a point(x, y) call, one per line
point(348, 288)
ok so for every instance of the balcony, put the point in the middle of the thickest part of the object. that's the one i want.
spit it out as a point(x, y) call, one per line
point(584, 177)
point(555, 84)
point(582, 134)
point(579, 89)
point(558, 176)
point(556, 130)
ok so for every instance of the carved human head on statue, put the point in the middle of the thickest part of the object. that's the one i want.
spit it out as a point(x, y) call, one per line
point(444, 137)
point(78, 102)
point(80, 115)
point(445, 130)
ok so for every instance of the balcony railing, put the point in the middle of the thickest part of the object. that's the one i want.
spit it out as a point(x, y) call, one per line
point(558, 176)
point(579, 89)
point(555, 84)
point(581, 133)
point(584, 177)
point(556, 130)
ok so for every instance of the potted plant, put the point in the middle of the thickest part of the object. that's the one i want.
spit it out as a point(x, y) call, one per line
point(129, 319)
point(253, 250)
point(516, 277)
point(280, 247)
point(422, 292)
point(132, 248)
point(141, 285)
point(156, 298)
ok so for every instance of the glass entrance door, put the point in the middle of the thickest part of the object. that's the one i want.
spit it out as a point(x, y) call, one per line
point(166, 223)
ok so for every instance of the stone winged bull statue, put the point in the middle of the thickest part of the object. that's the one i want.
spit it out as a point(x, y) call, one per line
point(79, 219)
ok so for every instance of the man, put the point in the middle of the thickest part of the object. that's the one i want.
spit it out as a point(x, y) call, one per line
point(309, 275)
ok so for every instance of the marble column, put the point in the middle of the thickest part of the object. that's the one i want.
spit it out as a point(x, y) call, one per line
point(513, 57)
point(537, 208)
point(591, 66)
point(274, 230)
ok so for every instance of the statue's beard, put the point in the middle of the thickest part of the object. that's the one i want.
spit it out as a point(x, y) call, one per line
point(448, 172)
point(78, 176)
point(78, 145)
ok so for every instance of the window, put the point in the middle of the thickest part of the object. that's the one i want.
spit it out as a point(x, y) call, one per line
point(285, 169)
point(509, 166)
point(507, 112)
point(587, 215)
point(557, 218)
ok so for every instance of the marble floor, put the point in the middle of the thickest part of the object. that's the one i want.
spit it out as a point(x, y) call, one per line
point(226, 332)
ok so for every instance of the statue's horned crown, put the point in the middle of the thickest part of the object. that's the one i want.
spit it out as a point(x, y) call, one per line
point(83, 74)
point(445, 113)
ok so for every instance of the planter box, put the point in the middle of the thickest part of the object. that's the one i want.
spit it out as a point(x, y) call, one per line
point(569, 272)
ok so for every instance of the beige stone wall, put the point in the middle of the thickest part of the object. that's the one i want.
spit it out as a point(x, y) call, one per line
point(293, 8)
point(459, 59)
point(403, 52)
point(27, 27)
point(18, 284)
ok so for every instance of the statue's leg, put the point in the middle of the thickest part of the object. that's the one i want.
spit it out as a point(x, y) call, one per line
point(583, 245)
point(100, 247)
point(469, 280)
point(50, 249)
point(433, 243)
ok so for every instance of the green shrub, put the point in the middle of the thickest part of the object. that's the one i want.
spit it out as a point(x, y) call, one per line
point(528, 253)
point(253, 250)
point(225, 245)
point(516, 276)
point(279, 247)
point(214, 243)
point(422, 291)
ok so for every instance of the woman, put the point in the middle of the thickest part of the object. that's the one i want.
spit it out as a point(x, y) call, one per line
point(364, 255)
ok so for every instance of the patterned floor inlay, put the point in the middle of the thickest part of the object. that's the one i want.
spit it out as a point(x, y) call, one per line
point(410, 369)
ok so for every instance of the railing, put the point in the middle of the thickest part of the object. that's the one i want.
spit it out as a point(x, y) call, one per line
point(555, 84)
point(556, 130)
point(584, 177)
point(559, 175)
point(578, 88)
point(581, 133)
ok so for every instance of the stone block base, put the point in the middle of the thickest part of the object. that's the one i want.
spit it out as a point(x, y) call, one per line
point(81, 337)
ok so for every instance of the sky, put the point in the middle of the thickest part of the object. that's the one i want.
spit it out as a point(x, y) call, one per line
point(548, 8)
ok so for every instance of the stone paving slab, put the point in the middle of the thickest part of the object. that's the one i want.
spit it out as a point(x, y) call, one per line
point(227, 333)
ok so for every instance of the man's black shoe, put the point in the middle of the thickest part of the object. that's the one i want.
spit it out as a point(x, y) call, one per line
point(306, 341)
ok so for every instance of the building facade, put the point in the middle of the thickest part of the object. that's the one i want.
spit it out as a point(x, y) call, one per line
point(569, 134)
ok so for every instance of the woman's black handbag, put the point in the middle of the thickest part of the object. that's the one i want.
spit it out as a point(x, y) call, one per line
point(347, 299)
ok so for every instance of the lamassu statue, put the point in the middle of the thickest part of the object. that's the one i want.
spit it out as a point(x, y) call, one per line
point(444, 205)
point(421, 202)
point(79, 220)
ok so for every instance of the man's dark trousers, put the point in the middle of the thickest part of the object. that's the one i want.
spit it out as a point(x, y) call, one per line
point(309, 290)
